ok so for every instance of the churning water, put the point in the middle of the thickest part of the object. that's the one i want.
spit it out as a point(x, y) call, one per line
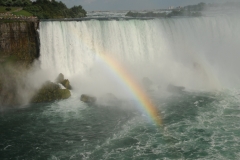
point(200, 122)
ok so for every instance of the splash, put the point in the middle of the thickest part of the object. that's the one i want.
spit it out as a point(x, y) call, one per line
point(189, 52)
point(134, 87)
point(131, 85)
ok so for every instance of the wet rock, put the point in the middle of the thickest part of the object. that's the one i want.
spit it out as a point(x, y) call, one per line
point(88, 99)
point(64, 82)
point(50, 92)
point(19, 48)
point(60, 78)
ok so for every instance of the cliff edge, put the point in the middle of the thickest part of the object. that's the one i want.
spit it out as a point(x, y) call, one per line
point(19, 47)
point(19, 39)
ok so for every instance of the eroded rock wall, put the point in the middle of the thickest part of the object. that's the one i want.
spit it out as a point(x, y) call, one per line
point(19, 47)
point(19, 39)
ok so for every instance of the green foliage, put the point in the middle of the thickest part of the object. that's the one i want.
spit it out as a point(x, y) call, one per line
point(20, 3)
point(3, 9)
point(22, 13)
point(8, 9)
point(44, 9)
point(77, 11)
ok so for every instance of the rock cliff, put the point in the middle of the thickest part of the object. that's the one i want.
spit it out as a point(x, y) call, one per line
point(19, 39)
point(19, 47)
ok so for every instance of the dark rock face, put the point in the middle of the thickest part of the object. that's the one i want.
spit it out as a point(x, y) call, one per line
point(50, 92)
point(19, 39)
point(19, 47)
point(88, 99)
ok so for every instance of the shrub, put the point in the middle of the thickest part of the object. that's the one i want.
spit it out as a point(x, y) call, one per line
point(8, 9)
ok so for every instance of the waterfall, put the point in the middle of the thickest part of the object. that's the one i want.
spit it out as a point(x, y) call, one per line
point(197, 53)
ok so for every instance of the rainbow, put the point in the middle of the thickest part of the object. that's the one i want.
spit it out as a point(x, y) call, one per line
point(134, 87)
point(129, 81)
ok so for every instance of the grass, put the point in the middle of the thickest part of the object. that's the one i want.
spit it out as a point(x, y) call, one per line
point(23, 13)
point(14, 11)
point(3, 9)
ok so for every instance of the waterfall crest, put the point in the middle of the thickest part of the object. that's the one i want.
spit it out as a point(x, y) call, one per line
point(198, 53)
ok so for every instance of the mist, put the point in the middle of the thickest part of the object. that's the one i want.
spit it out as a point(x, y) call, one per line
point(195, 53)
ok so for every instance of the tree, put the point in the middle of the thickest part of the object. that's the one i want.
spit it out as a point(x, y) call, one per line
point(15, 2)
point(78, 11)
point(26, 2)
point(9, 3)
point(45, 9)
point(18, 3)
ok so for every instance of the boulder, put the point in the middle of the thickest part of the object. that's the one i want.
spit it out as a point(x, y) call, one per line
point(64, 82)
point(60, 78)
point(50, 92)
point(88, 99)
point(65, 93)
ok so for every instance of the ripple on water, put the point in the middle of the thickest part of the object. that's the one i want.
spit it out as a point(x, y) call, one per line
point(208, 129)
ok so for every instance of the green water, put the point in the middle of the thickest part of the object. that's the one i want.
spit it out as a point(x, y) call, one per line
point(196, 126)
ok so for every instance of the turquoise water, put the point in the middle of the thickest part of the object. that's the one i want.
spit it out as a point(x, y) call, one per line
point(199, 53)
point(197, 125)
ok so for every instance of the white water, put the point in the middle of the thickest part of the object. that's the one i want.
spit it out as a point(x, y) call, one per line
point(198, 53)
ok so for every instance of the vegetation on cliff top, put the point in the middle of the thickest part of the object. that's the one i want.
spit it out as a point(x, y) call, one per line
point(148, 14)
point(12, 11)
point(191, 10)
point(20, 3)
point(43, 9)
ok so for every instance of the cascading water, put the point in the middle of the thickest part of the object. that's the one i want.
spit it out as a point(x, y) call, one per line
point(198, 53)
point(200, 122)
